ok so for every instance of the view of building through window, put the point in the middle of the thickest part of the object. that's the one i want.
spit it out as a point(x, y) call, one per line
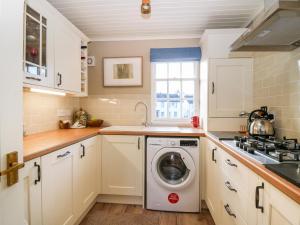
point(174, 90)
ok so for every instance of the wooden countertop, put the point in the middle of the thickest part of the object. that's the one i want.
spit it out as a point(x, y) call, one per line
point(40, 144)
point(153, 131)
point(280, 183)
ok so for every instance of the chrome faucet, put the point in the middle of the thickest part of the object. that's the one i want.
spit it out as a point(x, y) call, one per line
point(146, 124)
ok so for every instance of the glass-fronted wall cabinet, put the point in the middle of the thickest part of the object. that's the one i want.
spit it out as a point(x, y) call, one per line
point(36, 65)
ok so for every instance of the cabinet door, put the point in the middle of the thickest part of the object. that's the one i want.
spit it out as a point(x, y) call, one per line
point(213, 197)
point(67, 59)
point(87, 158)
point(122, 165)
point(58, 187)
point(38, 45)
point(278, 208)
point(230, 90)
point(33, 194)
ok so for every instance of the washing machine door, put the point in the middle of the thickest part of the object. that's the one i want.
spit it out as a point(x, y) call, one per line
point(173, 168)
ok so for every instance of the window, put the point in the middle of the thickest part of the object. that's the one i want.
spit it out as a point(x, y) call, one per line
point(175, 88)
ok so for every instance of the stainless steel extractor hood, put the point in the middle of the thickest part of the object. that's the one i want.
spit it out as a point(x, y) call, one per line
point(277, 28)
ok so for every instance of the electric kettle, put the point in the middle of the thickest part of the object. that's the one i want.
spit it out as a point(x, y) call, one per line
point(260, 123)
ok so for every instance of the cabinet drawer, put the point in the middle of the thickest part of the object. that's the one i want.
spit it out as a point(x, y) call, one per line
point(232, 168)
point(230, 217)
point(235, 195)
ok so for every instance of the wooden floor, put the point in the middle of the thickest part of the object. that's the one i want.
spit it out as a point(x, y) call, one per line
point(116, 214)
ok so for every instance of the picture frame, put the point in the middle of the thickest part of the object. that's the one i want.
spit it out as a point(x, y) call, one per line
point(123, 71)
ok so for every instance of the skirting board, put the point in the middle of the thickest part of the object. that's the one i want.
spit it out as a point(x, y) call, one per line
point(120, 199)
point(85, 212)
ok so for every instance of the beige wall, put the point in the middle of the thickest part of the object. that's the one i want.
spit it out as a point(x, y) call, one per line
point(40, 111)
point(124, 49)
point(116, 105)
point(277, 85)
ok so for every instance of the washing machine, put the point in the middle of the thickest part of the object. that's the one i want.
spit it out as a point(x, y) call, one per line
point(172, 174)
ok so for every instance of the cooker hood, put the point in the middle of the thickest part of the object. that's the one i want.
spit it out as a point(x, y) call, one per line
point(277, 28)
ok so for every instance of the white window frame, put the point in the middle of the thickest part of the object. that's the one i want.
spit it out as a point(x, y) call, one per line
point(169, 121)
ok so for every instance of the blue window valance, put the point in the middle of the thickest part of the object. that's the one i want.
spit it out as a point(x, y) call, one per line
point(175, 54)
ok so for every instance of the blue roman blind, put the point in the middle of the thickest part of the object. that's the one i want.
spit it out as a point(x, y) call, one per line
point(175, 54)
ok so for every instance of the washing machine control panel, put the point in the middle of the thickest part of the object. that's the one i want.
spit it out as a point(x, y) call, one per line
point(192, 143)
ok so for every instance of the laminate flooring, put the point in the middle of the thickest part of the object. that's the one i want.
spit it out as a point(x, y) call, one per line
point(118, 214)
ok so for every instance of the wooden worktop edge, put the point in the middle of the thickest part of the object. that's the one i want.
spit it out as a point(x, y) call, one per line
point(150, 133)
point(280, 183)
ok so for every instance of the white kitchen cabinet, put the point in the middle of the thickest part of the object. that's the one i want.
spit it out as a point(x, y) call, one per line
point(58, 187)
point(122, 165)
point(230, 86)
point(33, 192)
point(278, 208)
point(38, 43)
point(67, 55)
point(213, 176)
point(87, 174)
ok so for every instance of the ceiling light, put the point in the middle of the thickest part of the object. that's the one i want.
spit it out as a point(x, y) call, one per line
point(145, 7)
point(47, 92)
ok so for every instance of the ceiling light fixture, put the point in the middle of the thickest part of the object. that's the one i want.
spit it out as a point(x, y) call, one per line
point(145, 7)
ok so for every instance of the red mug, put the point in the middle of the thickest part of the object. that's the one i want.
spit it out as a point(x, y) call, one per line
point(195, 121)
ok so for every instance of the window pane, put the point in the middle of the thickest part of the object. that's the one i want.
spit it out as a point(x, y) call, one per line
point(44, 46)
point(32, 12)
point(161, 70)
point(174, 109)
point(188, 108)
point(32, 41)
point(174, 70)
point(188, 70)
point(161, 89)
point(174, 89)
point(188, 89)
point(161, 109)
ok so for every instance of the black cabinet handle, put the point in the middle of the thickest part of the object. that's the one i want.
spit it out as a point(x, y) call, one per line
point(213, 155)
point(228, 162)
point(83, 150)
point(60, 79)
point(38, 173)
point(33, 78)
point(139, 143)
point(257, 197)
point(228, 185)
point(213, 88)
point(228, 210)
point(63, 155)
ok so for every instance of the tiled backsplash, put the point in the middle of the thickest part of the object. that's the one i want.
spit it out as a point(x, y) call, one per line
point(40, 111)
point(116, 109)
point(277, 85)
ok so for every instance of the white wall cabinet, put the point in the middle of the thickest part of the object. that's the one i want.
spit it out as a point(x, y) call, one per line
point(33, 192)
point(122, 165)
point(230, 90)
point(67, 57)
point(87, 161)
point(58, 192)
point(52, 49)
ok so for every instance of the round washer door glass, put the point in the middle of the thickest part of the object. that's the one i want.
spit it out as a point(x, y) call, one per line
point(172, 169)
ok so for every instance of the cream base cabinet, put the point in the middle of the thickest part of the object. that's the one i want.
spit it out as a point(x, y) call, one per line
point(212, 175)
point(278, 208)
point(122, 165)
point(230, 90)
point(33, 192)
point(58, 182)
point(87, 173)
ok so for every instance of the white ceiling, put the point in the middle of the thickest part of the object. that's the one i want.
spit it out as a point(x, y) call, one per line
point(121, 19)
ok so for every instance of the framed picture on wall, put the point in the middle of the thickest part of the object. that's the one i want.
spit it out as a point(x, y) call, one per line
point(125, 71)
